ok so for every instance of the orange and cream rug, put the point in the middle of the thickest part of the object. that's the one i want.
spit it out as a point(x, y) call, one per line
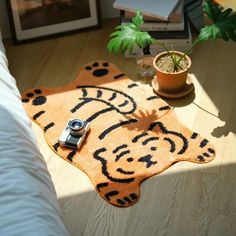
point(134, 134)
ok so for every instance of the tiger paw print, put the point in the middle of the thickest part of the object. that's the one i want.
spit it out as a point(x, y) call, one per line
point(101, 69)
point(97, 69)
point(36, 97)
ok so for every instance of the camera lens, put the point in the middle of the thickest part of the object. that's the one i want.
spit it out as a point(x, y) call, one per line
point(76, 127)
point(76, 124)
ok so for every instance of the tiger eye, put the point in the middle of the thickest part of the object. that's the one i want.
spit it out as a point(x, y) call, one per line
point(130, 159)
point(153, 148)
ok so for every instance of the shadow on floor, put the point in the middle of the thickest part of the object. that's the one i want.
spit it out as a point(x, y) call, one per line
point(217, 77)
point(193, 202)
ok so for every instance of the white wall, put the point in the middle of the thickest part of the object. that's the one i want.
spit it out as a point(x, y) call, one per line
point(106, 11)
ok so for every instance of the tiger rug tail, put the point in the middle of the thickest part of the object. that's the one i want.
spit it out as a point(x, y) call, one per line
point(134, 133)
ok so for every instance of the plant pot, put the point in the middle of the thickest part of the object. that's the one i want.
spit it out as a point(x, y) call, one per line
point(171, 82)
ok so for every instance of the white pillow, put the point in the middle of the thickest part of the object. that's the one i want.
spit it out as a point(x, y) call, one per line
point(28, 203)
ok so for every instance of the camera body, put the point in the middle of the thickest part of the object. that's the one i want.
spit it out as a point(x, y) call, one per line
point(74, 133)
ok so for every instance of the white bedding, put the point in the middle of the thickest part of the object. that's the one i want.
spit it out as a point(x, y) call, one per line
point(28, 203)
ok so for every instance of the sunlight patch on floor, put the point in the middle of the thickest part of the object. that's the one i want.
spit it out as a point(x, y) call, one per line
point(188, 109)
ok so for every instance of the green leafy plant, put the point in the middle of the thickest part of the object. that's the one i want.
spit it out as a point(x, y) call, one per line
point(126, 36)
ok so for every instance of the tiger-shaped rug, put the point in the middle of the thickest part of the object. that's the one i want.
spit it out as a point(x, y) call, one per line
point(134, 133)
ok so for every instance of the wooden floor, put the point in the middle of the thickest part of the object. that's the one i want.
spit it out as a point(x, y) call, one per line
point(187, 199)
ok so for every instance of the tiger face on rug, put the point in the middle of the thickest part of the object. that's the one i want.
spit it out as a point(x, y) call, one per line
point(134, 133)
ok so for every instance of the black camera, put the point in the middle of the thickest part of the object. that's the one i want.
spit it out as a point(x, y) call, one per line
point(74, 133)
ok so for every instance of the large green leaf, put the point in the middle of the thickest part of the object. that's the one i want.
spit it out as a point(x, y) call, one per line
point(223, 23)
point(128, 35)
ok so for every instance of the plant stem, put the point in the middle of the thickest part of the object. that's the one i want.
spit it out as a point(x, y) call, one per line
point(168, 52)
point(188, 50)
point(174, 60)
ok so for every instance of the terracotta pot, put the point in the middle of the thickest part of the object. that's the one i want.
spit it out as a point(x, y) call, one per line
point(171, 82)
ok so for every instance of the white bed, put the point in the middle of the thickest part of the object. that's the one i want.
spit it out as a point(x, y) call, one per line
point(28, 203)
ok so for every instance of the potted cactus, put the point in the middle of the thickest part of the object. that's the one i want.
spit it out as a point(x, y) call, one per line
point(172, 66)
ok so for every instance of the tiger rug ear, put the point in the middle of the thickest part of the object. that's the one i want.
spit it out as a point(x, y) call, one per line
point(134, 134)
